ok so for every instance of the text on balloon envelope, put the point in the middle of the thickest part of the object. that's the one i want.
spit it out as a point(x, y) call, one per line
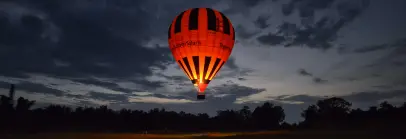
point(195, 43)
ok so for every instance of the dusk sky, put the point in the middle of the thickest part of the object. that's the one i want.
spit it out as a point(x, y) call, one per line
point(288, 52)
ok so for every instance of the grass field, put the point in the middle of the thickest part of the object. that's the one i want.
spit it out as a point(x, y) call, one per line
point(235, 135)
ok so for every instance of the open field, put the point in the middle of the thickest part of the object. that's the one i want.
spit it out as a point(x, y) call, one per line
point(229, 135)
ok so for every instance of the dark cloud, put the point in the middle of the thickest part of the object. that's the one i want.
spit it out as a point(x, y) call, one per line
point(235, 90)
point(373, 97)
point(231, 63)
point(313, 34)
point(301, 98)
point(110, 85)
point(109, 97)
point(4, 85)
point(343, 49)
point(149, 85)
point(394, 58)
point(251, 3)
point(81, 39)
point(33, 88)
point(271, 39)
point(315, 37)
point(243, 33)
point(76, 96)
point(85, 36)
point(175, 78)
point(303, 72)
point(397, 44)
point(240, 6)
point(339, 65)
point(306, 8)
point(233, 73)
point(287, 9)
point(242, 79)
point(383, 86)
point(352, 79)
point(399, 63)
point(42, 89)
point(170, 96)
point(371, 48)
point(319, 80)
point(95, 82)
point(232, 70)
point(287, 28)
point(261, 22)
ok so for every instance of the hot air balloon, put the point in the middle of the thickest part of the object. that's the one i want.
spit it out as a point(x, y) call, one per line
point(201, 41)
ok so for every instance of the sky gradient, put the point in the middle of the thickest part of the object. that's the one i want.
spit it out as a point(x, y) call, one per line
point(289, 52)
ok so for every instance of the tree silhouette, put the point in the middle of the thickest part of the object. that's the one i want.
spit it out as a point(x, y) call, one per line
point(23, 105)
point(330, 113)
point(268, 116)
point(327, 113)
point(7, 110)
point(246, 114)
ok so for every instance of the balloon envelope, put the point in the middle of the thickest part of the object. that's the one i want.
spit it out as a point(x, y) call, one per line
point(201, 41)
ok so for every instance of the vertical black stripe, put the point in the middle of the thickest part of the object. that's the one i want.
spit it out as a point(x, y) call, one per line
point(207, 61)
point(178, 22)
point(211, 19)
point(226, 24)
point(219, 68)
point(183, 68)
point(196, 62)
point(194, 19)
point(233, 33)
point(214, 66)
point(188, 66)
point(169, 31)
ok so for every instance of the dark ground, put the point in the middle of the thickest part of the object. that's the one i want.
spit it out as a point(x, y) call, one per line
point(231, 135)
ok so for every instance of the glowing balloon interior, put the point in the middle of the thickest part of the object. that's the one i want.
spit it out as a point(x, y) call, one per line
point(201, 40)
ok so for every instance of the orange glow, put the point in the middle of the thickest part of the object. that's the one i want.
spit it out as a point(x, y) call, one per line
point(202, 87)
point(201, 41)
point(151, 136)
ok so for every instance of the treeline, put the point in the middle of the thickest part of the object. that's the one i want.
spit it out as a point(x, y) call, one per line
point(331, 113)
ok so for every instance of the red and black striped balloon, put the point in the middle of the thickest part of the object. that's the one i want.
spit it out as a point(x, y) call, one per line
point(201, 40)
